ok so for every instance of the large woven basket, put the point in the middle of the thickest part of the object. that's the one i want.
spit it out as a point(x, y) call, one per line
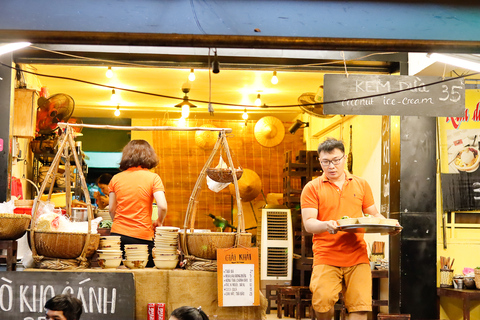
point(65, 245)
point(13, 226)
point(205, 244)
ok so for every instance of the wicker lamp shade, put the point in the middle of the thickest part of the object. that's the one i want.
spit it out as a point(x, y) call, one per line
point(206, 139)
point(249, 186)
point(269, 131)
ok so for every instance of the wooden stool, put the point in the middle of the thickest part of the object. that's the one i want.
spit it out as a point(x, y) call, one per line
point(294, 301)
point(11, 257)
point(393, 316)
point(269, 289)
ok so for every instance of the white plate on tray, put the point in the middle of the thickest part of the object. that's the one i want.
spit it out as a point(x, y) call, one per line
point(368, 228)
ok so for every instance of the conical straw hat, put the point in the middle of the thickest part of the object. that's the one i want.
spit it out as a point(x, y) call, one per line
point(249, 185)
point(269, 131)
point(206, 139)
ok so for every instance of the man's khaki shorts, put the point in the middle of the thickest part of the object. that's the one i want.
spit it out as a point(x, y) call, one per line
point(355, 282)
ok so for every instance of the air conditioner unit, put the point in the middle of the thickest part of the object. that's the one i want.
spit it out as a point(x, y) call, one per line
point(276, 244)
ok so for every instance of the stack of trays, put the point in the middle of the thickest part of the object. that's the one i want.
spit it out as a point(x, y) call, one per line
point(109, 253)
point(136, 256)
point(165, 251)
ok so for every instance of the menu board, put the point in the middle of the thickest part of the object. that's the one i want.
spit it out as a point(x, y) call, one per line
point(238, 277)
point(393, 95)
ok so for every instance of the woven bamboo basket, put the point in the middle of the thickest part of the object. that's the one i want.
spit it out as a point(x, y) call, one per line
point(13, 226)
point(477, 277)
point(200, 248)
point(205, 244)
point(63, 250)
point(223, 175)
point(65, 245)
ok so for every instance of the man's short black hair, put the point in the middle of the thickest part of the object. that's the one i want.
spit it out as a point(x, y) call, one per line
point(104, 179)
point(71, 306)
point(330, 144)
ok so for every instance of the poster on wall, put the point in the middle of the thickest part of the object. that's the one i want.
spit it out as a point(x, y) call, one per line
point(463, 150)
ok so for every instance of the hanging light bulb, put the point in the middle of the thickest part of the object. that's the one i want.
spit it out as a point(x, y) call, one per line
point(245, 114)
point(258, 101)
point(109, 73)
point(117, 111)
point(185, 111)
point(114, 98)
point(182, 122)
point(191, 76)
point(274, 78)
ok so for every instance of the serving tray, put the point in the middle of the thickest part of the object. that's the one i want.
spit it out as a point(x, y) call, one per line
point(368, 228)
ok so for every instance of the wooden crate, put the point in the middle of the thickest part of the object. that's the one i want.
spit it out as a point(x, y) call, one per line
point(25, 113)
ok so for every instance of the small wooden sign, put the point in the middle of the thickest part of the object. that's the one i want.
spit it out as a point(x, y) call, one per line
point(394, 95)
point(238, 277)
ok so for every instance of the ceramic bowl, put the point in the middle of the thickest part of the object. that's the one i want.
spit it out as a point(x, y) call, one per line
point(116, 238)
point(389, 222)
point(109, 256)
point(109, 263)
point(165, 256)
point(136, 256)
point(368, 220)
point(343, 222)
point(135, 264)
point(136, 247)
point(165, 264)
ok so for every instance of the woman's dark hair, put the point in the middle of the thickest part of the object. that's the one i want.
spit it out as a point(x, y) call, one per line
point(138, 153)
point(330, 144)
point(69, 305)
point(189, 313)
point(104, 178)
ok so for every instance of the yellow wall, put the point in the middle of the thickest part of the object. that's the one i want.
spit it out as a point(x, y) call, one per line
point(462, 244)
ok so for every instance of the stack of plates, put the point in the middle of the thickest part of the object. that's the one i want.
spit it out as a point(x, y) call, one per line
point(104, 214)
point(165, 251)
point(136, 256)
point(109, 253)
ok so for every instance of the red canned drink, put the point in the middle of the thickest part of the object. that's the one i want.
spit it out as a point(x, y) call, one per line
point(151, 314)
point(160, 311)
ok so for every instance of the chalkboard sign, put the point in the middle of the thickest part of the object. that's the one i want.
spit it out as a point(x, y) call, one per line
point(105, 295)
point(461, 191)
point(393, 95)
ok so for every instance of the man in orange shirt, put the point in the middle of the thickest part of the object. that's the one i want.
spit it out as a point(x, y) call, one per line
point(340, 259)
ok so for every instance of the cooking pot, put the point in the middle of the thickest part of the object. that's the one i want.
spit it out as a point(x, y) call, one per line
point(79, 214)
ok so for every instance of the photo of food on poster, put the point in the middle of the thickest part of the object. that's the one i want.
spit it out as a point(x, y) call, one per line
point(463, 150)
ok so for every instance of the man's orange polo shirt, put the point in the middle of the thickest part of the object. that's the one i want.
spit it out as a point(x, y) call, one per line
point(342, 249)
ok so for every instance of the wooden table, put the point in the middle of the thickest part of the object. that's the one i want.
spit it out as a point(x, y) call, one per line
point(465, 295)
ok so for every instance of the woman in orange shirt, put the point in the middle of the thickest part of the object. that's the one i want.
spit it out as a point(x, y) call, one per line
point(132, 192)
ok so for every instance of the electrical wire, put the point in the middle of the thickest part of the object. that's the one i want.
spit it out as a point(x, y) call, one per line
point(241, 105)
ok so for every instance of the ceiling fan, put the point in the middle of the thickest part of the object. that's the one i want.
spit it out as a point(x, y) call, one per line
point(310, 102)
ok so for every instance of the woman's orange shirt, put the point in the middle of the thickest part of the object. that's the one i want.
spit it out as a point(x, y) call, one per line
point(134, 189)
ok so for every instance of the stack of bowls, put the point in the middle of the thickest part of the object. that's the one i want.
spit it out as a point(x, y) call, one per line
point(109, 252)
point(165, 251)
point(136, 256)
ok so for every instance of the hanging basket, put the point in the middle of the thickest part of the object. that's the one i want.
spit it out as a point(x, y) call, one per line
point(200, 248)
point(223, 175)
point(63, 250)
